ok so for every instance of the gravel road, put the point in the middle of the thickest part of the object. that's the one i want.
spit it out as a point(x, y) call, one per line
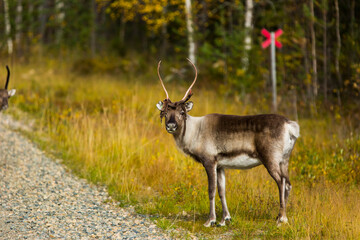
point(40, 199)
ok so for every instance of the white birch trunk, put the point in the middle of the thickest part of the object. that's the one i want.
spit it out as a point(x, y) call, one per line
point(8, 27)
point(60, 16)
point(248, 24)
point(248, 30)
point(190, 30)
point(18, 23)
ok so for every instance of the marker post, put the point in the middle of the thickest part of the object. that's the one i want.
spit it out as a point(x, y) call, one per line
point(271, 40)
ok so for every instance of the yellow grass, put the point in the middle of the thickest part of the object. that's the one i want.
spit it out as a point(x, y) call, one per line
point(107, 129)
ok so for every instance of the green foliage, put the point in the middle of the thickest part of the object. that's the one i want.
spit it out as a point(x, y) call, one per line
point(157, 29)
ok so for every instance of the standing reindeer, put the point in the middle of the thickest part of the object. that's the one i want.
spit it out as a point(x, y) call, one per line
point(220, 141)
point(6, 94)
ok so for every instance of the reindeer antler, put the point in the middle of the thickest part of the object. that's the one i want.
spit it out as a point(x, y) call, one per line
point(162, 83)
point(8, 77)
point(189, 90)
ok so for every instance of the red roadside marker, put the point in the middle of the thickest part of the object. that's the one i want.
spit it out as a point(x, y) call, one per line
point(267, 34)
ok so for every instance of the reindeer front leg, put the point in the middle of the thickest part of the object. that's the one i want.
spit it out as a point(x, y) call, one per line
point(212, 176)
point(221, 191)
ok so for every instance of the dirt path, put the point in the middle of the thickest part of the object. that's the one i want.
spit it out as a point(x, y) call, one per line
point(39, 199)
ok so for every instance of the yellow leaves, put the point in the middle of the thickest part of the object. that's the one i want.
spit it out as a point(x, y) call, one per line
point(355, 85)
point(153, 12)
point(308, 79)
point(194, 193)
point(337, 116)
point(240, 72)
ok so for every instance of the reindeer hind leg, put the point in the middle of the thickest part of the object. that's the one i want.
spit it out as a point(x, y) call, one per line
point(275, 171)
point(285, 174)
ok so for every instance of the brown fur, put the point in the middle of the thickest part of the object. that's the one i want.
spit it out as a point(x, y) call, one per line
point(228, 141)
point(217, 138)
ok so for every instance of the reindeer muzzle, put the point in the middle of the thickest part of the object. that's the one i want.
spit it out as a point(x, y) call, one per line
point(171, 127)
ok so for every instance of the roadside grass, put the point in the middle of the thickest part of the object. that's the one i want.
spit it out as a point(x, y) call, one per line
point(107, 130)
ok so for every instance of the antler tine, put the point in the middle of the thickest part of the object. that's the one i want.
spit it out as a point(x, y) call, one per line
point(161, 81)
point(189, 90)
point(8, 77)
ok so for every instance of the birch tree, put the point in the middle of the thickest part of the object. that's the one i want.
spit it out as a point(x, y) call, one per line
point(248, 30)
point(60, 16)
point(8, 28)
point(190, 31)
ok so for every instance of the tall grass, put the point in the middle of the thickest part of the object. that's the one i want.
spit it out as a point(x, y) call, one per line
point(108, 130)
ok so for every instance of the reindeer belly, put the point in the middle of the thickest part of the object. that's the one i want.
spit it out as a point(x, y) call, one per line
point(242, 161)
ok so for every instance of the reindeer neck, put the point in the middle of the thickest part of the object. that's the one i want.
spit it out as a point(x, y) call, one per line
point(188, 132)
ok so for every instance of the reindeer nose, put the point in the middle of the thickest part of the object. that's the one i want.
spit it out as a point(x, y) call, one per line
point(171, 127)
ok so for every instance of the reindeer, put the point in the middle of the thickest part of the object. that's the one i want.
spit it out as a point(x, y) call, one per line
point(219, 141)
point(6, 94)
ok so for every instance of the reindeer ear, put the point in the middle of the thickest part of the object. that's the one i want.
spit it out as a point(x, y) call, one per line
point(189, 105)
point(160, 105)
point(11, 92)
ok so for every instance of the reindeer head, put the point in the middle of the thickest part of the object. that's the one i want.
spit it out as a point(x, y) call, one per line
point(6, 94)
point(175, 113)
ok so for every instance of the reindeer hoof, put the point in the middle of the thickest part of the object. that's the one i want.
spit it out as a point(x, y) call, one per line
point(224, 221)
point(210, 223)
point(221, 224)
point(280, 220)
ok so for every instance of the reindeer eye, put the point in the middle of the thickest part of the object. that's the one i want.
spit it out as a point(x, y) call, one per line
point(182, 112)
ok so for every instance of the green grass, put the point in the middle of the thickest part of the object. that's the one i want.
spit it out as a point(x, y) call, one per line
point(107, 130)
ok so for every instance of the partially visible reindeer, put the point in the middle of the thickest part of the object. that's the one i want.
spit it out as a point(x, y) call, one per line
point(6, 94)
point(228, 141)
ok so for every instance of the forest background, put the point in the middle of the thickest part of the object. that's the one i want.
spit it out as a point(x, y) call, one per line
point(85, 72)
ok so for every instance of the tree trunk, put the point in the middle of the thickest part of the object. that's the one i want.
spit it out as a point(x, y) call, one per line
point(304, 50)
point(93, 28)
point(325, 48)
point(18, 24)
point(190, 30)
point(122, 30)
point(313, 50)
point(8, 28)
point(60, 16)
point(338, 44)
point(30, 26)
point(352, 21)
point(248, 30)
point(164, 44)
point(42, 19)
